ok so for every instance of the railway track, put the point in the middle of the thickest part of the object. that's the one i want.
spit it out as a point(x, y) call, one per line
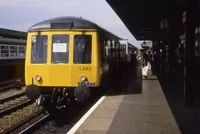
point(11, 94)
point(35, 124)
point(8, 84)
point(8, 81)
point(13, 104)
point(12, 99)
point(15, 108)
point(12, 122)
point(10, 88)
point(59, 123)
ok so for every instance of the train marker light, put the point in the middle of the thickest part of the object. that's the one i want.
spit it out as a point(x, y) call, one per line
point(38, 77)
point(82, 77)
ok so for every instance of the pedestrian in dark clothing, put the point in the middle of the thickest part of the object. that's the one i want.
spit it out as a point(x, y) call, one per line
point(133, 59)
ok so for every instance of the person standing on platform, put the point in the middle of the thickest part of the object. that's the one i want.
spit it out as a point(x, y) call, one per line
point(144, 65)
point(150, 62)
point(133, 58)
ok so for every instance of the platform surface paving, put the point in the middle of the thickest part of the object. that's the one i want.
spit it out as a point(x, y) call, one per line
point(139, 109)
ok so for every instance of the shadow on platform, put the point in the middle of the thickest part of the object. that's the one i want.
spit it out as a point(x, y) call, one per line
point(129, 82)
point(188, 119)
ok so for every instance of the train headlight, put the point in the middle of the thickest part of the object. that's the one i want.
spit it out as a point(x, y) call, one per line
point(38, 77)
point(82, 78)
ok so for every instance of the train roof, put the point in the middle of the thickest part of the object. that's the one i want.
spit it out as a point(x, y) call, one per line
point(71, 23)
point(8, 33)
point(12, 41)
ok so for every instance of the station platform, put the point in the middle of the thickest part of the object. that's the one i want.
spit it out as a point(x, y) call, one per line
point(141, 107)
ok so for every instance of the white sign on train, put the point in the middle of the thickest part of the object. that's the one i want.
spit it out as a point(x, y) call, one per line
point(60, 47)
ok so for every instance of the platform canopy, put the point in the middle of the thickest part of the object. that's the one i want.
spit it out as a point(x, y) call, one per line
point(8, 33)
point(143, 17)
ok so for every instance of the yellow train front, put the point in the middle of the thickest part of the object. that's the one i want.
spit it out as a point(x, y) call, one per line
point(65, 58)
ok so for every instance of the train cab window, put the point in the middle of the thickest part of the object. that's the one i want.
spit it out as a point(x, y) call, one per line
point(82, 49)
point(39, 49)
point(60, 49)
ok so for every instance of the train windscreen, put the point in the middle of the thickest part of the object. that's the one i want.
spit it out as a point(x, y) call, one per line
point(82, 49)
point(39, 49)
point(60, 49)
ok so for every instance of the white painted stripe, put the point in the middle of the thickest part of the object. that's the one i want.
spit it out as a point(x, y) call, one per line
point(82, 120)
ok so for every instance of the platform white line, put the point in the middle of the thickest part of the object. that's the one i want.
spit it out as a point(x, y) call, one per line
point(82, 120)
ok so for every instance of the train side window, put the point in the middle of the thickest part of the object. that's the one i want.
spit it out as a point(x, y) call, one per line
point(39, 49)
point(101, 51)
point(82, 49)
point(60, 49)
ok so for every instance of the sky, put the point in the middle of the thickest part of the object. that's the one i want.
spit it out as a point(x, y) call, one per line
point(22, 14)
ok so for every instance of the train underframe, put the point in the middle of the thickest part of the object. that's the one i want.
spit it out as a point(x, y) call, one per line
point(58, 97)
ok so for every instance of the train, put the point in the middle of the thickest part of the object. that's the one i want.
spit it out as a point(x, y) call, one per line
point(129, 48)
point(12, 57)
point(67, 58)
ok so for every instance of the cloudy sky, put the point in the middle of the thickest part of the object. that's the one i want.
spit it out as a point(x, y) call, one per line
point(21, 14)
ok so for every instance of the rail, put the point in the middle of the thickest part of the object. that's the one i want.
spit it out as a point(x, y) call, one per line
point(34, 124)
point(22, 122)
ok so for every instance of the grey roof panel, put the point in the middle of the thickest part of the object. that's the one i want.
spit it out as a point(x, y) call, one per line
point(12, 33)
point(12, 41)
point(78, 23)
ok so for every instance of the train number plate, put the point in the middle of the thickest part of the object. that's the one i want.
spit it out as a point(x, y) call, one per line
point(85, 68)
point(86, 84)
